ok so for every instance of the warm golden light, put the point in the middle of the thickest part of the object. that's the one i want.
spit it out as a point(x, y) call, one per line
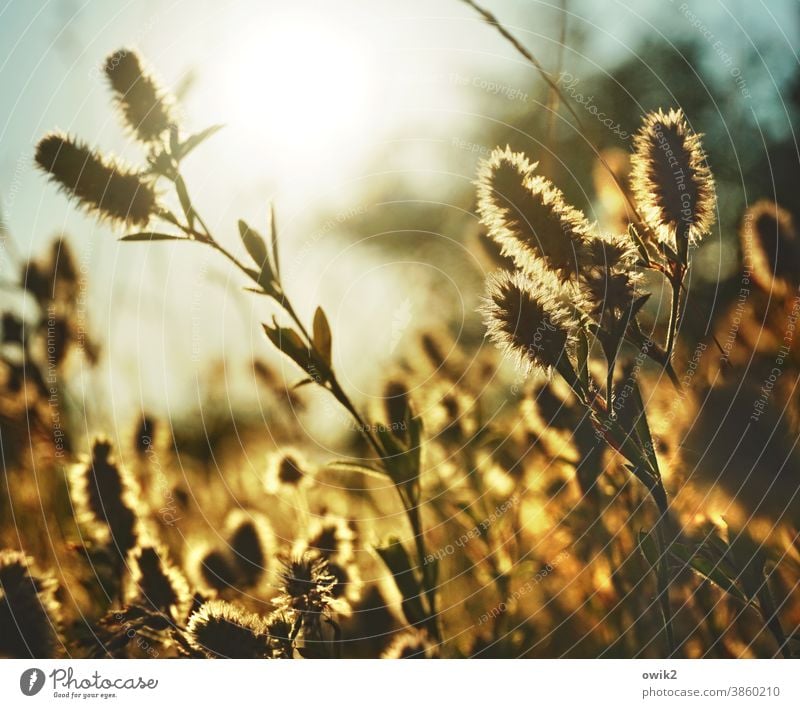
point(300, 90)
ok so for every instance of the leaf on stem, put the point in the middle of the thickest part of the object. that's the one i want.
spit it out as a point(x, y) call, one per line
point(153, 236)
point(355, 468)
point(290, 343)
point(323, 340)
point(257, 249)
point(711, 570)
point(642, 426)
point(397, 561)
point(186, 202)
point(273, 237)
point(184, 148)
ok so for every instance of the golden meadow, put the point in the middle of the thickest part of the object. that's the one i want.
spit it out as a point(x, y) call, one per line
point(628, 502)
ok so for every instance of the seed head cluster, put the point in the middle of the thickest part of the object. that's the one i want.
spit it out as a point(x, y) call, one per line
point(104, 499)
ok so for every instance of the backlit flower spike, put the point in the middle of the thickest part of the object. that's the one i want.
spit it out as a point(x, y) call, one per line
point(102, 185)
point(671, 181)
point(144, 105)
point(528, 216)
point(527, 321)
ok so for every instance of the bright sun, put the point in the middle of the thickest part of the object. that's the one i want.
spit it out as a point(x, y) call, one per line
point(301, 90)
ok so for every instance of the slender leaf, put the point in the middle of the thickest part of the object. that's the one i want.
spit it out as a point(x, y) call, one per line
point(637, 239)
point(290, 343)
point(254, 244)
point(153, 236)
point(642, 427)
point(358, 469)
point(323, 340)
point(273, 237)
point(186, 203)
point(649, 549)
point(709, 570)
point(194, 140)
point(396, 560)
point(174, 144)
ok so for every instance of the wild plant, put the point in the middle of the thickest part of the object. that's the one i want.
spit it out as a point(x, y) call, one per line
point(129, 196)
point(574, 305)
point(571, 303)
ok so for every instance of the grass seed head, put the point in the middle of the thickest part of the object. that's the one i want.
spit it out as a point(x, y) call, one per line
point(529, 324)
point(29, 613)
point(221, 630)
point(250, 545)
point(157, 582)
point(104, 498)
point(331, 537)
point(671, 181)
point(217, 571)
point(434, 349)
point(144, 436)
point(101, 185)
point(286, 470)
point(307, 585)
point(143, 103)
point(528, 217)
point(770, 247)
point(395, 402)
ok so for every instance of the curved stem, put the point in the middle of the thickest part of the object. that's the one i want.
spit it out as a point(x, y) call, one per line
point(412, 512)
point(659, 495)
point(332, 384)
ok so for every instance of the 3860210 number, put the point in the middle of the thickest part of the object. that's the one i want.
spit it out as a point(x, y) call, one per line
point(755, 691)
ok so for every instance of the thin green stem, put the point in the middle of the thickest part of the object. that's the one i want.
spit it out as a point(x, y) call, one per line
point(411, 509)
point(412, 512)
point(659, 495)
point(676, 282)
point(652, 481)
point(663, 589)
point(769, 614)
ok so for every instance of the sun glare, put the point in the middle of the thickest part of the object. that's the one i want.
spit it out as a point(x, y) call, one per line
point(300, 90)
